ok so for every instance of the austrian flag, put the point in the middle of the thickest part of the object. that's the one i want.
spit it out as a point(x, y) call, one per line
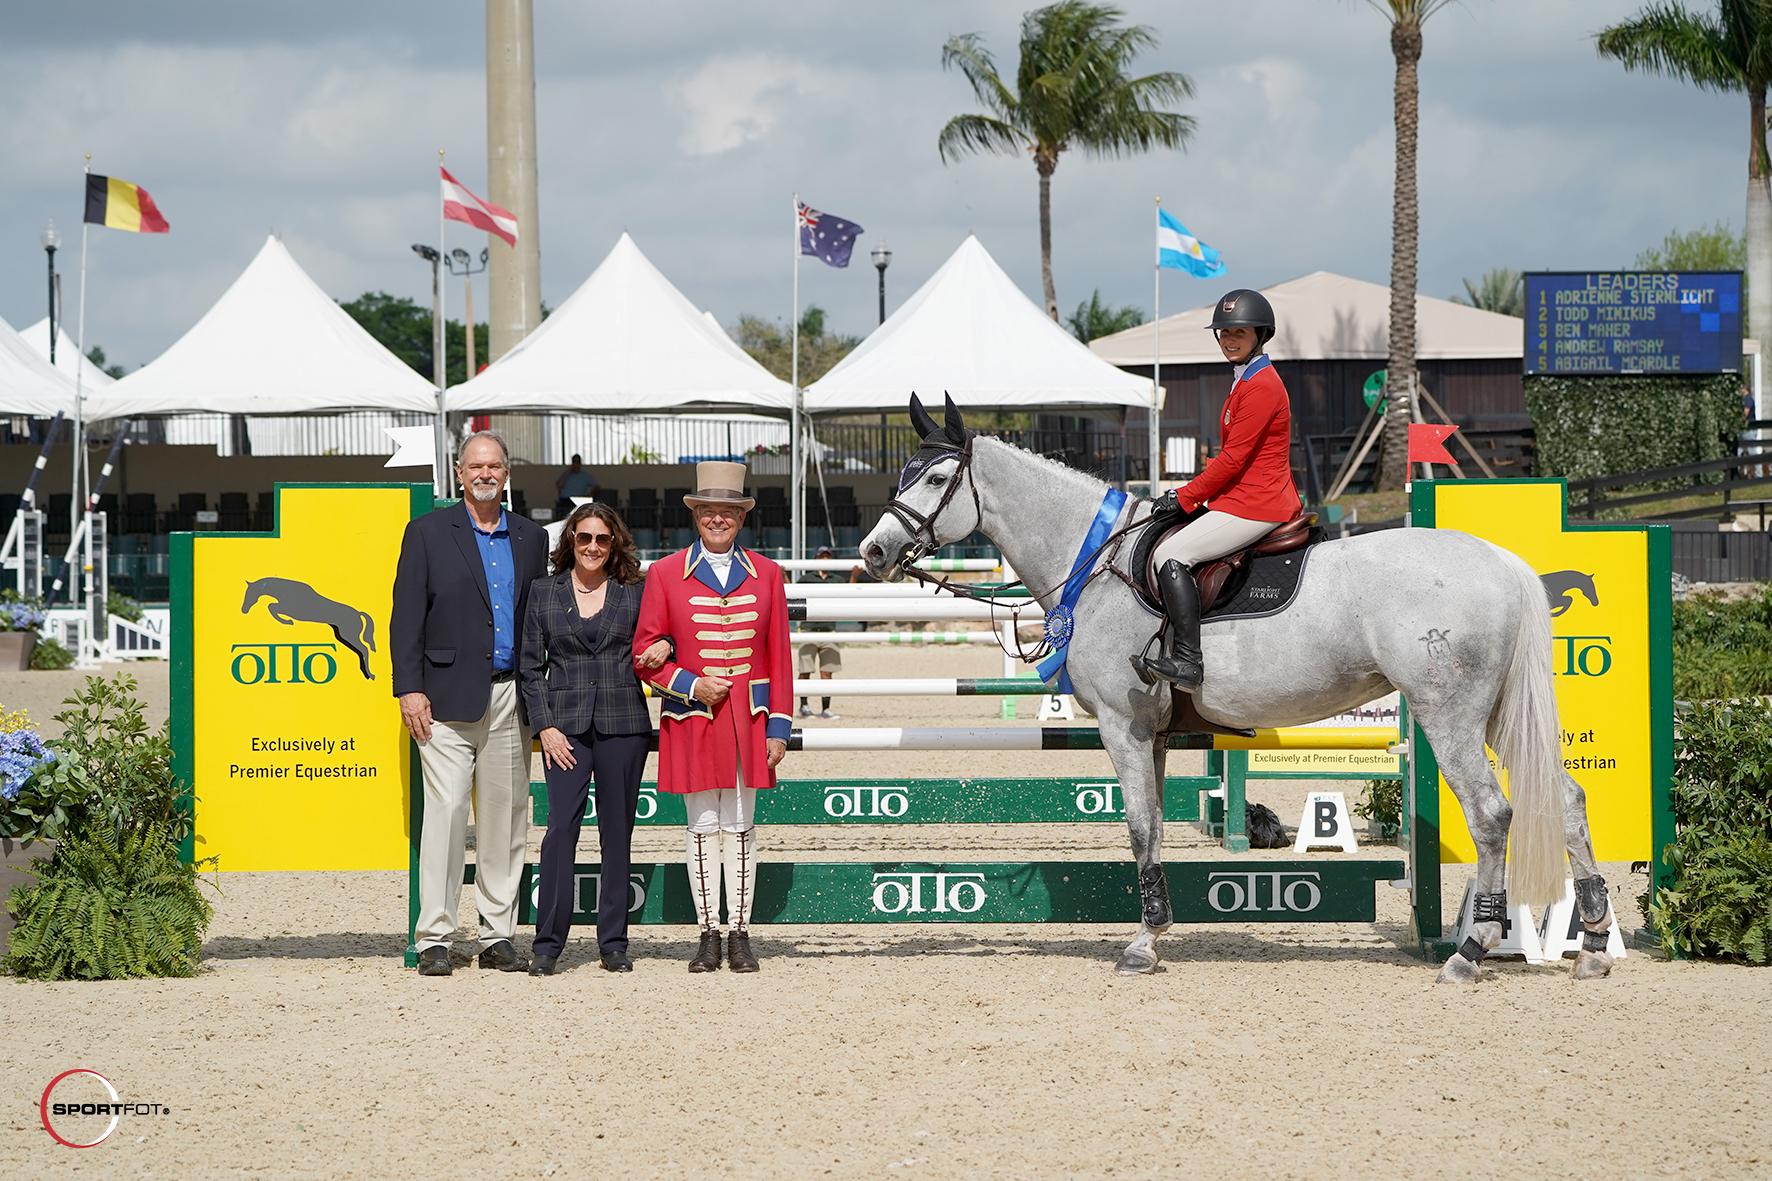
point(461, 205)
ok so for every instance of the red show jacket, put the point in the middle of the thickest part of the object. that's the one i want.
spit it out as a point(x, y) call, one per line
point(1251, 476)
point(739, 632)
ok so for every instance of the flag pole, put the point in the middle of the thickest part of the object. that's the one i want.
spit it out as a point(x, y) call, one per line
point(79, 440)
point(797, 483)
point(1153, 443)
point(440, 465)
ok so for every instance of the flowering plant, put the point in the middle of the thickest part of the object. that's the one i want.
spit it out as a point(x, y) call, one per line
point(22, 755)
point(20, 615)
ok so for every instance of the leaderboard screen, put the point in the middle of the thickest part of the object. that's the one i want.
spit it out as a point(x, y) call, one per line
point(1593, 322)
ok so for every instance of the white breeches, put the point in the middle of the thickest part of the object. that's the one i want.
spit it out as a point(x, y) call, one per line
point(728, 809)
point(1212, 536)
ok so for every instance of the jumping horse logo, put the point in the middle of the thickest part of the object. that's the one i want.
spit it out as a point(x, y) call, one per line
point(292, 600)
point(1560, 587)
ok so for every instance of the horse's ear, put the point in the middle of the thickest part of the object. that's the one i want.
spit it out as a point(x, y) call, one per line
point(955, 424)
point(920, 420)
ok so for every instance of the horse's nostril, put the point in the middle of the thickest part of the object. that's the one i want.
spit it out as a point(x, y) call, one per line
point(875, 551)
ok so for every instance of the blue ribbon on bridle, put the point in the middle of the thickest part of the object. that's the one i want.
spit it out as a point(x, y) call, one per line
point(1061, 619)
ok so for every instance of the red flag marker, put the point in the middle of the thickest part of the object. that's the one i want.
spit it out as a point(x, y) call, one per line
point(1427, 443)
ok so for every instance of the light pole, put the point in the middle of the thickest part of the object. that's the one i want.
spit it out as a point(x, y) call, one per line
point(51, 240)
point(882, 259)
point(440, 462)
point(460, 263)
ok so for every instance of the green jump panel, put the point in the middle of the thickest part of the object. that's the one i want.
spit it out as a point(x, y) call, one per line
point(1005, 892)
point(921, 801)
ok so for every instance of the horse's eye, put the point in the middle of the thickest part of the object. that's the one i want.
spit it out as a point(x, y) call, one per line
point(937, 481)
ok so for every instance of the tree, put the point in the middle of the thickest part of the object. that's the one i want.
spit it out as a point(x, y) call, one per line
point(1095, 318)
point(1406, 18)
point(772, 345)
point(1071, 91)
point(1499, 290)
point(97, 356)
point(404, 329)
point(1713, 248)
point(1728, 51)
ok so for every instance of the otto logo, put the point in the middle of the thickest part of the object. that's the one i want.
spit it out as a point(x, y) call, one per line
point(866, 801)
point(279, 664)
point(73, 1122)
point(645, 808)
point(588, 889)
point(1294, 890)
point(1583, 656)
point(1096, 798)
point(916, 892)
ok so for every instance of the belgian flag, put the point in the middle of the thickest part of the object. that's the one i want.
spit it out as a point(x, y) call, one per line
point(122, 206)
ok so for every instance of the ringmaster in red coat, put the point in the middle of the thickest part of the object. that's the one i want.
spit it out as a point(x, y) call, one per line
point(1246, 490)
point(726, 696)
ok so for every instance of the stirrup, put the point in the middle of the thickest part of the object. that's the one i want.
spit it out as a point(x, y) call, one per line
point(1179, 678)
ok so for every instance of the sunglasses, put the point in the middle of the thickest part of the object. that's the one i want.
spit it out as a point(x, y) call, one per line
point(600, 540)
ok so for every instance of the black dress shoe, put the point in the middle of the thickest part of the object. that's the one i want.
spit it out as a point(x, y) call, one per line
point(543, 965)
point(738, 951)
point(503, 956)
point(434, 961)
point(707, 956)
point(617, 961)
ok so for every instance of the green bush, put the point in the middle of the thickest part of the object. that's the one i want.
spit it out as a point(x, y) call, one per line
point(109, 908)
point(1720, 901)
point(49, 655)
point(1382, 803)
point(1723, 650)
point(1605, 426)
point(109, 766)
point(123, 608)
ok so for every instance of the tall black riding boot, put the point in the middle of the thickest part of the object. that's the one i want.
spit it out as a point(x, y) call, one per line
point(1180, 662)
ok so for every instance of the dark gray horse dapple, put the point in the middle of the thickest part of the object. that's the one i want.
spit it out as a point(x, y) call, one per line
point(292, 600)
point(1460, 626)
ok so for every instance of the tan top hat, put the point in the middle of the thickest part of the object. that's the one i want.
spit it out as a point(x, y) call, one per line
point(719, 481)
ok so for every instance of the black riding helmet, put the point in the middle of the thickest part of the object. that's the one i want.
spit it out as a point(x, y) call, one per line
point(1244, 308)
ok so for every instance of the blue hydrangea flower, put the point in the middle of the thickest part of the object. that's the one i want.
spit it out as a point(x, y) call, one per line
point(21, 753)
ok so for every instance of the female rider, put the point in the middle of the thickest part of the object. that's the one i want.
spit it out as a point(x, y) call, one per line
point(1247, 488)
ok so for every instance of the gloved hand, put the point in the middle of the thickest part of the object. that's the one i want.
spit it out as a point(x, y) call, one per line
point(1166, 503)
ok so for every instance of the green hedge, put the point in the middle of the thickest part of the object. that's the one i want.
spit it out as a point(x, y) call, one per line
point(1723, 650)
point(1605, 426)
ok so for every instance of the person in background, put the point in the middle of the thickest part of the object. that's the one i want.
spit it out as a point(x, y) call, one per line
point(460, 591)
point(727, 693)
point(823, 660)
point(574, 481)
point(577, 670)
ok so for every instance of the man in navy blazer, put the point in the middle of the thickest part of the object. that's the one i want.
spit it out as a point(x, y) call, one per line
point(459, 594)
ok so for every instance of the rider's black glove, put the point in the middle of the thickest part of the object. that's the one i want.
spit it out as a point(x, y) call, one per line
point(1166, 503)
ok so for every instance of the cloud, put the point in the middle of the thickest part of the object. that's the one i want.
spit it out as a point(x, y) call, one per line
point(737, 99)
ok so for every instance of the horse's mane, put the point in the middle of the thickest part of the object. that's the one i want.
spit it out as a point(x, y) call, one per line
point(1052, 467)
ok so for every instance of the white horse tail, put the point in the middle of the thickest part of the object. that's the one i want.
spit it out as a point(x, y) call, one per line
point(1525, 734)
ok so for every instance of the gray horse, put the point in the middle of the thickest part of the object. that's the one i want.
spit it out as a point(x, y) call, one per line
point(1460, 626)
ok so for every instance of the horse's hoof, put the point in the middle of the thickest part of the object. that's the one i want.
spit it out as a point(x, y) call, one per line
point(1591, 965)
point(1141, 961)
point(1458, 970)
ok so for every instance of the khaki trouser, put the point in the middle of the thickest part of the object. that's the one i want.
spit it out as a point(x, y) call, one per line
point(485, 761)
point(1211, 536)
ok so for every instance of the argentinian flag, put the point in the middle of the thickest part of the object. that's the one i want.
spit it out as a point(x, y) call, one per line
point(1181, 250)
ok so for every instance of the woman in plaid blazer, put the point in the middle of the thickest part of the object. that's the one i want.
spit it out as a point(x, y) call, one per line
point(584, 703)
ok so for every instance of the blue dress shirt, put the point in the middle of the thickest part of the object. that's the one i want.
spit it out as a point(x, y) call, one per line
point(501, 586)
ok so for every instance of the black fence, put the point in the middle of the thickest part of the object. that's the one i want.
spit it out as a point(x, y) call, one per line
point(1712, 555)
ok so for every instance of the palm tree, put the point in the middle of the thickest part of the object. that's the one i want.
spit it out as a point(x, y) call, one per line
point(1071, 91)
point(1406, 18)
point(1499, 290)
point(1729, 51)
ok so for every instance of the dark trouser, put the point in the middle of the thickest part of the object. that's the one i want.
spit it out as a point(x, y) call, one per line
point(616, 761)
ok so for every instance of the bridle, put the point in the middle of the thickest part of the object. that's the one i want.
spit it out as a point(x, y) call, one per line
point(921, 526)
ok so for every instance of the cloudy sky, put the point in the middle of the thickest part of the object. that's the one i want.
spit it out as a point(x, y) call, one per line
point(691, 124)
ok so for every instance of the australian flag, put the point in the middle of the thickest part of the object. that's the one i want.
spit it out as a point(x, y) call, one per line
point(825, 236)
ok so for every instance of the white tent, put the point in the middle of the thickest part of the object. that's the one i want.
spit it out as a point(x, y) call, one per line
point(67, 355)
point(28, 386)
point(274, 343)
point(626, 341)
point(971, 333)
point(1327, 317)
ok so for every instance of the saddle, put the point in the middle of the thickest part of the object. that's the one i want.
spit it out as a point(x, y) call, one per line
point(1220, 579)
